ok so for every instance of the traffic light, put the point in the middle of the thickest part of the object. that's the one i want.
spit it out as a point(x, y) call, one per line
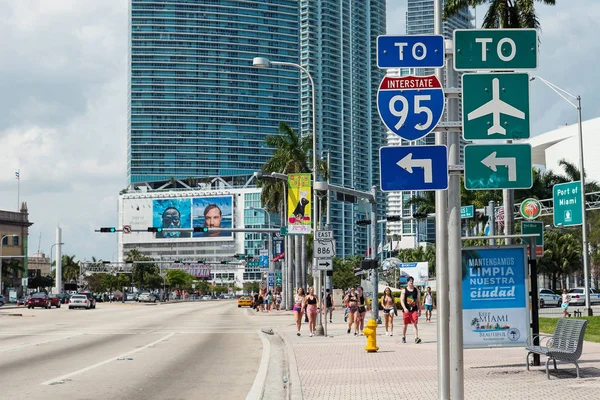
point(393, 218)
point(201, 229)
point(420, 215)
point(240, 256)
point(368, 264)
point(224, 262)
point(363, 222)
point(153, 229)
point(108, 229)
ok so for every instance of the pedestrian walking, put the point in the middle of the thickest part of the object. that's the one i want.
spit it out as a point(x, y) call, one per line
point(428, 302)
point(359, 323)
point(269, 301)
point(410, 299)
point(311, 311)
point(389, 307)
point(278, 300)
point(328, 305)
point(352, 301)
point(298, 306)
point(565, 303)
point(261, 302)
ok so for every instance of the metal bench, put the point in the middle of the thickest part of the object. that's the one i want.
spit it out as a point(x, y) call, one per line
point(566, 344)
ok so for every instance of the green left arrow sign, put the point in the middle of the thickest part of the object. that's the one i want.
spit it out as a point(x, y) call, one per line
point(498, 166)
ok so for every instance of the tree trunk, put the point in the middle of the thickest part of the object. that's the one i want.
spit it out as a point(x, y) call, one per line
point(297, 262)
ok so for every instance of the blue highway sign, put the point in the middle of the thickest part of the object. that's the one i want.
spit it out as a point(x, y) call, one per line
point(413, 168)
point(410, 51)
point(410, 106)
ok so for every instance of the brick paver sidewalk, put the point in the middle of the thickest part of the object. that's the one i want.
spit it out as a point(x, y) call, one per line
point(338, 367)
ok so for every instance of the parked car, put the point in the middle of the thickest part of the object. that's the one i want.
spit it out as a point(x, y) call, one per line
point(80, 301)
point(578, 296)
point(245, 301)
point(40, 299)
point(91, 298)
point(22, 301)
point(1, 300)
point(130, 296)
point(149, 297)
point(549, 299)
point(143, 297)
point(54, 300)
point(206, 297)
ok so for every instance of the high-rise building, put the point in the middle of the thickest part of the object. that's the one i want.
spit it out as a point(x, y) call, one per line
point(197, 106)
point(338, 46)
point(419, 21)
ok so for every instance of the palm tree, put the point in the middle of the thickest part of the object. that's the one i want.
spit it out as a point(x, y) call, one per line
point(562, 255)
point(501, 13)
point(291, 155)
point(572, 173)
point(70, 268)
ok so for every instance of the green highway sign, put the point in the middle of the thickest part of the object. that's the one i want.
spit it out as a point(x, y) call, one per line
point(495, 106)
point(495, 49)
point(467, 212)
point(498, 166)
point(532, 227)
point(277, 278)
point(283, 230)
point(567, 204)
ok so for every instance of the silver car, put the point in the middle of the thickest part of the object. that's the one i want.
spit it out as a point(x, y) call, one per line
point(79, 301)
point(549, 299)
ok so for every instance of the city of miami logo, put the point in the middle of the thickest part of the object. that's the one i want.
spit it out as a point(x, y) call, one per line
point(531, 208)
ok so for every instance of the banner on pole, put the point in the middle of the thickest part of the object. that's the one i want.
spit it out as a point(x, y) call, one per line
point(494, 297)
point(299, 204)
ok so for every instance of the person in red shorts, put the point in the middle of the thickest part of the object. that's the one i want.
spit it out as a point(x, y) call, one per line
point(411, 305)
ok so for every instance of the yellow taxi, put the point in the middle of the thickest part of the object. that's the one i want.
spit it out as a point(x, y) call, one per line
point(245, 301)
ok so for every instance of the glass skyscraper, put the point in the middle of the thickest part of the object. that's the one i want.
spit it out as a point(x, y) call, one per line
point(197, 106)
point(199, 109)
point(338, 47)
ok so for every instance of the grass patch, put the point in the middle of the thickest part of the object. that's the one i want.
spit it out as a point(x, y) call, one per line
point(592, 332)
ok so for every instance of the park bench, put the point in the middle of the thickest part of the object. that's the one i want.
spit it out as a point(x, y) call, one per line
point(566, 344)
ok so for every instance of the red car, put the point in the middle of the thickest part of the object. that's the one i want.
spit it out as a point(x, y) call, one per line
point(39, 300)
point(54, 300)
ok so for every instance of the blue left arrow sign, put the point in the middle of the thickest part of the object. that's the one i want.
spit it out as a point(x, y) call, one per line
point(410, 51)
point(413, 168)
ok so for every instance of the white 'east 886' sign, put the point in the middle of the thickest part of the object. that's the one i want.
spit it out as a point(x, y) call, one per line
point(324, 248)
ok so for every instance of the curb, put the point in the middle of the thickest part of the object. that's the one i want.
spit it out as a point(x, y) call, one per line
point(294, 384)
point(258, 387)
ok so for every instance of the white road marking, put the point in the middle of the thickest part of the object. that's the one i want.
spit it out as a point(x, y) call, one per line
point(258, 387)
point(38, 343)
point(81, 371)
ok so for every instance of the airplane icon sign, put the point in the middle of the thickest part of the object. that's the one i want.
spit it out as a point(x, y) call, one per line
point(496, 106)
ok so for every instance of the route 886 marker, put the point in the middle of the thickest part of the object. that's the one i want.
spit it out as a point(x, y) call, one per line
point(410, 106)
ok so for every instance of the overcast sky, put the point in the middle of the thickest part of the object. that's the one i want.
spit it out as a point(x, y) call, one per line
point(63, 97)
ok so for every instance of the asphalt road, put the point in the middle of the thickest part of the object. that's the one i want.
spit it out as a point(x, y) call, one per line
point(200, 350)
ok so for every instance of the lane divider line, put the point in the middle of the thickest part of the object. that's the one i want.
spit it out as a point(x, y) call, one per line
point(258, 387)
point(39, 343)
point(81, 371)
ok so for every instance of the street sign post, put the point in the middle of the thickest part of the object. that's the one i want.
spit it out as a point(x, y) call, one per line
point(410, 51)
point(498, 166)
point(532, 227)
point(413, 168)
point(467, 212)
point(496, 106)
point(567, 204)
point(325, 264)
point(324, 249)
point(324, 235)
point(495, 49)
point(410, 106)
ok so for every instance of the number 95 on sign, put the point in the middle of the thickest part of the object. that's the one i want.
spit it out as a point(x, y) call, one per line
point(324, 249)
point(410, 106)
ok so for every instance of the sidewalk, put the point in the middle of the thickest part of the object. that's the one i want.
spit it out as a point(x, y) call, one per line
point(338, 367)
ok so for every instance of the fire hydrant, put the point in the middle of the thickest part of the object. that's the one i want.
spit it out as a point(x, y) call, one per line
point(371, 334)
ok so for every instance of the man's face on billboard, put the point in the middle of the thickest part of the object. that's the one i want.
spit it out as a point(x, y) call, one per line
point(212, 219)
point(171, 219)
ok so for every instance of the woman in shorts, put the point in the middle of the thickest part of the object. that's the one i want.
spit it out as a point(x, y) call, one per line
point(359, 324)
point(565, 303)
point(352, 301)
point(299, 300)
point(389, 306)
point(311, 311)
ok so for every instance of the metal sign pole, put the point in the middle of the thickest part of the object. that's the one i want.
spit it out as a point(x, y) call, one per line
point(441, 246)
point(454, 243)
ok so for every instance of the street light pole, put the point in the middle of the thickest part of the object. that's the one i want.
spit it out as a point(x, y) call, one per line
point(265, 63)
point(1, 259)
point(584, 227)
